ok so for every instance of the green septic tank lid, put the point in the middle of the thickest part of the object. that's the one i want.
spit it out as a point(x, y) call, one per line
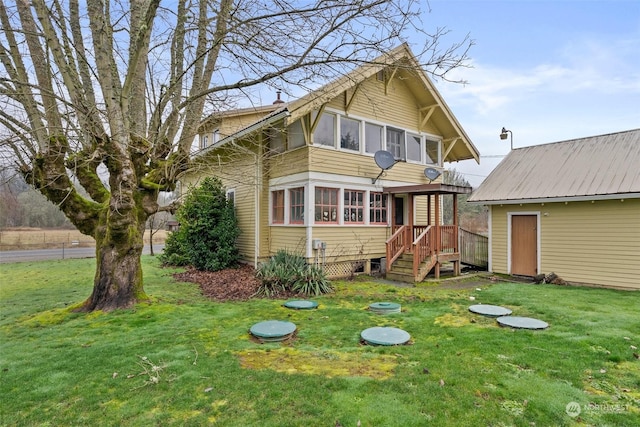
point(385, 307)
point(301, 304)
point(490, 310)
point(522, 322)
point(384, 335)
point(273, 330)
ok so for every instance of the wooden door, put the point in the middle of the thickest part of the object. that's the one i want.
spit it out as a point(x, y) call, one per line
point(524, 245)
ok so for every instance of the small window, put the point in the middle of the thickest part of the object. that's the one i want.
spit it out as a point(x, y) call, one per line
point(204, 141)
point(231, 197)
point(373, 137)
point(277, 207)
point(276, 140)
point(414, 147)
point(395, 143)
point(295, 135)
point(326, 205)
point(325, 133)
point(433, 152)
point(377, 208)
point(353, 206)
point(296, 201)
point(349, 134)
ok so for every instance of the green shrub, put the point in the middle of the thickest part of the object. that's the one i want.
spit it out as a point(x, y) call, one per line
point(286, 271)
point(208, 230)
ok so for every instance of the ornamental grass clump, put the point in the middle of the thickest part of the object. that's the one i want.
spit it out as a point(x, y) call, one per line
point(288, 272)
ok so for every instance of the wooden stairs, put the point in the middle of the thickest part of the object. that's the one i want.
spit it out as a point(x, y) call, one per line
point(402, 269)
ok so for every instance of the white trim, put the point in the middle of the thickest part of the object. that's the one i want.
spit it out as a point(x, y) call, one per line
point(490, 242)
point(538, 256)
point(385, 125)
point(618, 196)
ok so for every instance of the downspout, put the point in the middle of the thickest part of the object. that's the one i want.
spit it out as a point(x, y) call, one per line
point(256, 214)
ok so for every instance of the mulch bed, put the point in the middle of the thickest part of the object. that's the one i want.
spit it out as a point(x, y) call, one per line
point(232, 284)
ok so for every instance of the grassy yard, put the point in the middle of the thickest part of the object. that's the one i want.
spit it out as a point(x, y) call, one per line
point(186, 361)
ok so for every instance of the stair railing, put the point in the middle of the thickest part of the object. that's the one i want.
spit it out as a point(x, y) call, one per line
point(423, 247)
point(396, 245)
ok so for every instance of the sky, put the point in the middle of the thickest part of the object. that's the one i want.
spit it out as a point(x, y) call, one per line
point(546, 70)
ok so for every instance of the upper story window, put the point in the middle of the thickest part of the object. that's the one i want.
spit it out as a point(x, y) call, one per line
point(204, 141)
point(433, 152)
point(414, 147)
point(353, 206)
point(295, 135)
point(365, 137)
point(296, 202)
point(325, 133)
point(349, 134)
point(373, 137)
point(395, 143)
point(276, 140)
point(326, 205)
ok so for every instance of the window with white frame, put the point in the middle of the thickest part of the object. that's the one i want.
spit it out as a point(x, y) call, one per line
point(276, 140)
point(414, 147)
point(326, 205)
point(296, 202)
point(373, 137)
point(204, 140)
point(349, 134)
point(231, 197)
point(325, 133)
point(353, 206)
point(395, 143)
point(377, 208)
point(295, 135)
point(277, 207)
point(432, 152)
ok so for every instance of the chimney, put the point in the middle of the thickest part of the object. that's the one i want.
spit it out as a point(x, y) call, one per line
point(278, 100)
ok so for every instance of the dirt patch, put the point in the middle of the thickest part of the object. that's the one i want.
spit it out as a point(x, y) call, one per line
point(231, 284)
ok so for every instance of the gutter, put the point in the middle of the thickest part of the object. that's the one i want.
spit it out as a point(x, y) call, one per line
point(269, 120)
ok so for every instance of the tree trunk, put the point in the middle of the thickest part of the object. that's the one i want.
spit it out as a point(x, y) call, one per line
point(118, 280)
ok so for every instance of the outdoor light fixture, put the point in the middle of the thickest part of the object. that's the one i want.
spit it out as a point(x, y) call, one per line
point(503, 135)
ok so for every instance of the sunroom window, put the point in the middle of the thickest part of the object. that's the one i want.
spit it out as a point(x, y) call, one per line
point(353, 206)
point(296, 202)
point(349, 134)
point(277, 207)
point(326, 205)
point(377, 208)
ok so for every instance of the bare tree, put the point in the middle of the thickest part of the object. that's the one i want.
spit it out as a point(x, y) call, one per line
point(116, 89)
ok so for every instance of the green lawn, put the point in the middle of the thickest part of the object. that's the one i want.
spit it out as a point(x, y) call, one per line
point(186, 361)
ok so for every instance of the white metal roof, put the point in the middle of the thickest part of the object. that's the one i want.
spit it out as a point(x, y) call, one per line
point(597, 167)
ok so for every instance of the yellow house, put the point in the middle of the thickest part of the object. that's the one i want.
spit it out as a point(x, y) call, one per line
point(346, 175)
point(570, 207)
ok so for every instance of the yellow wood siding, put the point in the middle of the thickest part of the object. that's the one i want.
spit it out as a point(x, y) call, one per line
point(352, 243)
point(288, 163)
point(582, 242)
point(290, 238)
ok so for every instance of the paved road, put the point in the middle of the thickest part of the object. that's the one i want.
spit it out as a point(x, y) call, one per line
point(66, 253)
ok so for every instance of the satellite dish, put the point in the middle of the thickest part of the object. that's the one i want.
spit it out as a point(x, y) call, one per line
point(384, 159)
point(431, 173)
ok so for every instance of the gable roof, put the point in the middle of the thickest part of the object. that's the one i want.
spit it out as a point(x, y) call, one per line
point(405, 63)
point(592, 168)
